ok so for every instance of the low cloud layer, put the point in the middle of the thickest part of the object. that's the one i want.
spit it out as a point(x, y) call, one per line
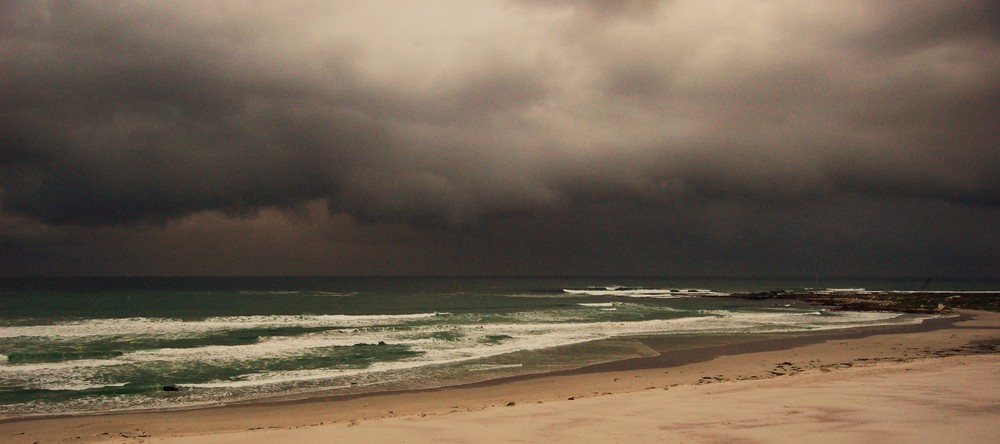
point(453, 119)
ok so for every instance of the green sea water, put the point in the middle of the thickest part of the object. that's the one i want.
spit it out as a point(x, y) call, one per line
point(84, 345)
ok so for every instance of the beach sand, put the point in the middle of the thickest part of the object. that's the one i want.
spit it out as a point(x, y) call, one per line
point(931, 383)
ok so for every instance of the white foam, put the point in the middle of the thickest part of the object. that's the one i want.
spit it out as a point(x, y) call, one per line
point(840, 291)
point(470, 343)
point(526, 337)
point(333, 293)
point(38, 367)
point(77, 386)
point(488, 367)
point(662, 293)
point(141, 325)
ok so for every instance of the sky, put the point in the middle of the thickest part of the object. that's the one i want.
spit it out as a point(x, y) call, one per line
point(500, 138)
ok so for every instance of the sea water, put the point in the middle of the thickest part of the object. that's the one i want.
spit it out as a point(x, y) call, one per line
point(75, 345)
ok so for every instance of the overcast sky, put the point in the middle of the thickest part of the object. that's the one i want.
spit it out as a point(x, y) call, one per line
point(531, 137)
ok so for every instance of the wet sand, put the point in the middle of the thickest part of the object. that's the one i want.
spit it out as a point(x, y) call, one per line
point(920, 383)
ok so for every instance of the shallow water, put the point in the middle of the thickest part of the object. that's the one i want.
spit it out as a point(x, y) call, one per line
point(94, 345)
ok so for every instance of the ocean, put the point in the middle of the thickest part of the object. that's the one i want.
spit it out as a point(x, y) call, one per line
point(89, 345)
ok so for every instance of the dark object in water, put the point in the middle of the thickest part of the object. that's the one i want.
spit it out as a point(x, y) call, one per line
point(171, 388)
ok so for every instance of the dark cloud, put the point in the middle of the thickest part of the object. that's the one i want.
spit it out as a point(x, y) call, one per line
point(606, 127)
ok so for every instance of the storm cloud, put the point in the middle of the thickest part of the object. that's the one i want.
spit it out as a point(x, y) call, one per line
point(743, 128)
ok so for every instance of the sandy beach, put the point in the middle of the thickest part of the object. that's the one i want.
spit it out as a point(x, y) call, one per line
point(938, 382)
point(541, 221)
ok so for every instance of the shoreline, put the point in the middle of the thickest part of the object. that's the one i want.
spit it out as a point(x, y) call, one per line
point(759, 359)
point(700, 348)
